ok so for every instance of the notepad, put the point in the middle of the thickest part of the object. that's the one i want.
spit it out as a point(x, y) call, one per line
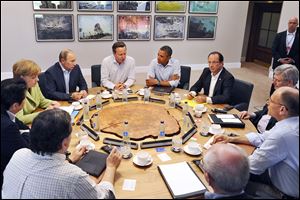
point(181, 180)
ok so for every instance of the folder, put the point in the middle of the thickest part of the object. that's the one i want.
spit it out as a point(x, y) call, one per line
point(226, 120)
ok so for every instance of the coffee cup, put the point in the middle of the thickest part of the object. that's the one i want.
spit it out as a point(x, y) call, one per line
point(143, 157)
point(193, 147)
point(76, 104)
point(200, 107)
point(141, 91)
point(198, 113)
point(215, 129)
point(105, 92)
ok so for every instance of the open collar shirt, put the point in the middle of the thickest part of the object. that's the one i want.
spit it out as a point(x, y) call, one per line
point(32, 176)
point(279, 153)
point(113, 73)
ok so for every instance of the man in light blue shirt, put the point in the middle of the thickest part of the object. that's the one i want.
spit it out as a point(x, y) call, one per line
point(278, 148)
point(164, 71)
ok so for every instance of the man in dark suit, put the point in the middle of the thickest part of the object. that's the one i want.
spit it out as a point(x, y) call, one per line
point(63, 78)
point(285, 49)
point(216, 81)
point(14, 134)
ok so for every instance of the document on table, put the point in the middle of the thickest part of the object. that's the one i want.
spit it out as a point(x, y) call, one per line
point(181, 180)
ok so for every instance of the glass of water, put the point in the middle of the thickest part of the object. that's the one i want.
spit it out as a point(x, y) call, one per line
point(125, 151)
point(176, 143)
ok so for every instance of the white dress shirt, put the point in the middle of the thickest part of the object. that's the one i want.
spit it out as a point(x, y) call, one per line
point(290, 37)
point(32, 176)
point(162, 73)
point(113, 73)
point(213, 82)
point(66, 77)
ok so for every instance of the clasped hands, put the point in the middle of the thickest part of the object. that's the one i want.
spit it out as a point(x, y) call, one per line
point(79, 95)
point(120, 86)
point(199, 99)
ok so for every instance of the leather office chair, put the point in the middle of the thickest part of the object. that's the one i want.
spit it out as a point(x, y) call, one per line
point(96, 75)
point(185, 77)
point(241, 94)
point(43, 83)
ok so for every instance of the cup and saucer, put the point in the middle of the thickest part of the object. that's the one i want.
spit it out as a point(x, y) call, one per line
point(76, 105)
point(192, 148)
point(141, 91)
point(216, 129)
point(105, 94)
point(142, 159)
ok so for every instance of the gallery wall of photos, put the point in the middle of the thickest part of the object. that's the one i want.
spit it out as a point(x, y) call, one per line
point(96, 19)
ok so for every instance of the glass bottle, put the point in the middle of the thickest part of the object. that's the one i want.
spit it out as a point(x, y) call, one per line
point(126, 148)
point(172, 100)
point(185, 109)
point(86, 111)
point(98, 101)
point(124, 95)
point(161, 130)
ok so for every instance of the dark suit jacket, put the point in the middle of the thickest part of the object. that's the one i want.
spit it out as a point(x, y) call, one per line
point(56, 88)
point(259, 115)
point(223, 88)
point(279, 49)
point(11, 139)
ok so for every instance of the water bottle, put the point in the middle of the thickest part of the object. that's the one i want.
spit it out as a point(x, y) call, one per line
point(98, 101)
point(96, 126)
point(86, 111)
point(185, 109)
point(161, 130)
point(172, 100)
point(124, 95)
point(186, 123)
point(146, 95)
point(126, 149)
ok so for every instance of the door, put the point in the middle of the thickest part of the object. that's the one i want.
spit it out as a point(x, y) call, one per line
point(263, 31)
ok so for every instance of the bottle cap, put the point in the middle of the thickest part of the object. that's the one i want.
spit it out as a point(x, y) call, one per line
point(125, 122)
point(162, 122)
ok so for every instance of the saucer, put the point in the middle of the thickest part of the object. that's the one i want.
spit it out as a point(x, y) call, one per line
point(211, 132)
point(187, 150)
point(106, 96)
point(136, 161)
point(141, 93)
point(79, 107)
point(203, 111)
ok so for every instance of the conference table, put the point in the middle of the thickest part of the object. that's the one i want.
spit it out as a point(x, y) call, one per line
point(149, 182)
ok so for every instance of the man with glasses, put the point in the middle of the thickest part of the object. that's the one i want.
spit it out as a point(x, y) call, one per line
point(226, 169)
point(216, 82)
point(284, 75)
point(276, 160)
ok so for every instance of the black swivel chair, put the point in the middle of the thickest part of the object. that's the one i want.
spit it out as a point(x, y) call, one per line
point(185, 77)
point(96, 75)
point(43, 84)
point(241, 94)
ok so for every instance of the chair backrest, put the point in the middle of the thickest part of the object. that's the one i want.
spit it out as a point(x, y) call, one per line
point(185, 77)
point(96, 75)
point(43, 84)
point(241, 94)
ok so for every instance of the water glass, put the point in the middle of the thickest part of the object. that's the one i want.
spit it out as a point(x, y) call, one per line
point(146, 95)
point(176, 143)
point(125, 151)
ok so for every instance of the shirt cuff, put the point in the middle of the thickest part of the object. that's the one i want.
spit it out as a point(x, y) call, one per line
point(193, 93)
point(209, 100)
point(107, 186)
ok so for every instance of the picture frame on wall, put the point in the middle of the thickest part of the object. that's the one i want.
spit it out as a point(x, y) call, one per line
point(169, 27)
point(201, 27)
point(95, 27)
point(134, 27)
point(105, 6)
point(210, 7)
point(170, 6)
point(52, 5)
point(134, 6)
point(53, 27)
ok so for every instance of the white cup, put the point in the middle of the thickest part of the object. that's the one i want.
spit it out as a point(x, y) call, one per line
point(193, 147)
point(215, 128)
point(198, 113)
point(105, 92)
point(141, 91)
point(199, 107)
point(143, 157)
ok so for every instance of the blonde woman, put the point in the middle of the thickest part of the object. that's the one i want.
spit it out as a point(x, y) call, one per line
point(29, 71)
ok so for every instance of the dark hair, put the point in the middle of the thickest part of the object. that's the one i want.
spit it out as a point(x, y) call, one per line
point(167, 49)
point(13, 90)
point(117, 45)
point(290, 98)
point(221, 57)
point(48, 131)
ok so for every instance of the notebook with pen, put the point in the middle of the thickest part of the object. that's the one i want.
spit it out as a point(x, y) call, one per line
point(163, 89)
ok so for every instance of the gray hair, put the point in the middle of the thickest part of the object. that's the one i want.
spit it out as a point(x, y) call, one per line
point(228, 166)
point(288, 72)
point(64, 54)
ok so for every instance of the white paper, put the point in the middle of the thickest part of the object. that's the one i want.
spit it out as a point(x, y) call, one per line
point(186, 183)
point(68, 109)
point(225, 116)
point(235, 120)
point(129, 184)
point(164, 157)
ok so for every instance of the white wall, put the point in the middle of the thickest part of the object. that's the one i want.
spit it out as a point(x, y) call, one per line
point(289, 9)
point(18, 40)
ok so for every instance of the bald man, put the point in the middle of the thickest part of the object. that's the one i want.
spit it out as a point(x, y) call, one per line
point(226, 169)
point(278, 148)
point(64, 77)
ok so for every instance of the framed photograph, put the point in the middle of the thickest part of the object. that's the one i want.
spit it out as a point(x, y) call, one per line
point(134, 6)
point(200, 27)
point(134, 27)
point(170, 6)
point(95, 6)
point(203, 6)
point(52, 5)
point(169, 27)
point(54, 27)
point(95, 27)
